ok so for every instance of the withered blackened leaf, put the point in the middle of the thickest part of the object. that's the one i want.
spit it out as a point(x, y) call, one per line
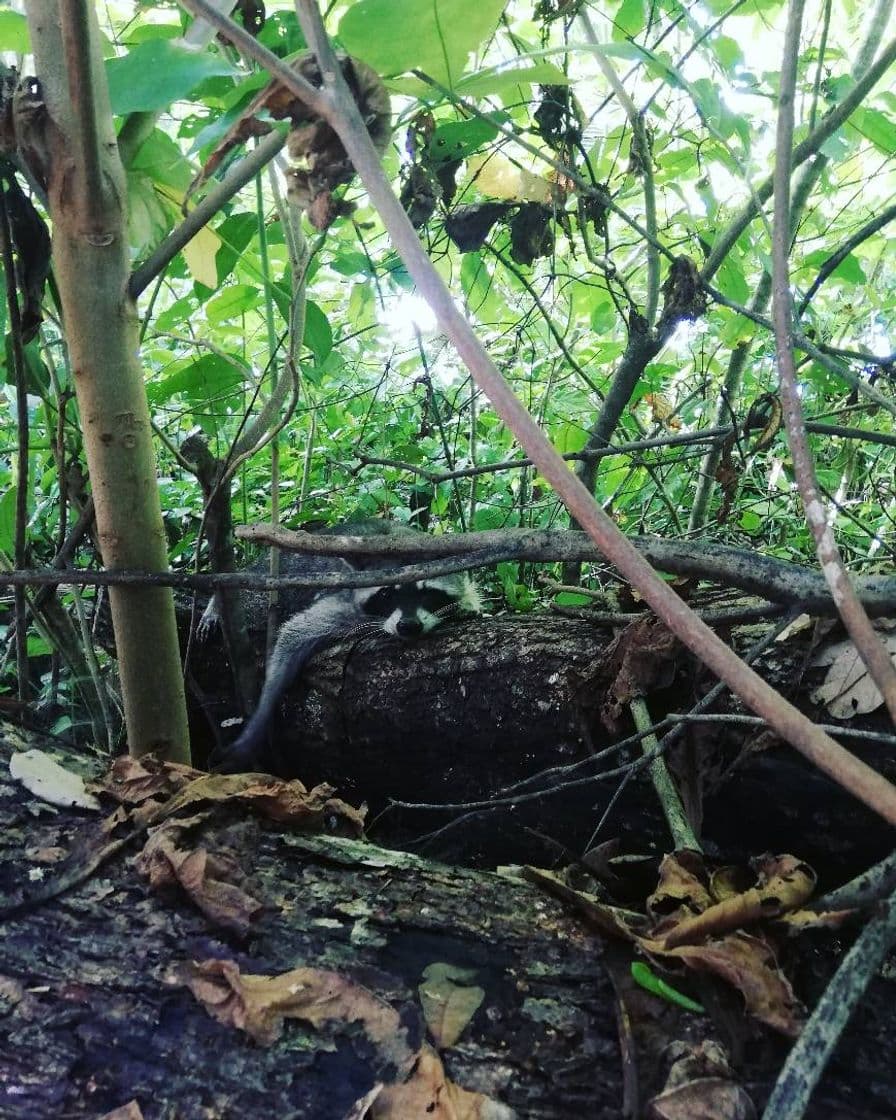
point(469, 226)
point(419, 195)
point(531, 234)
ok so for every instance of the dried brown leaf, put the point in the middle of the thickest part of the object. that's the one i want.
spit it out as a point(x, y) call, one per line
point(848, 690)
point(748, 964)
point(259, 1004)
point(215, 881)
point(428, 1093)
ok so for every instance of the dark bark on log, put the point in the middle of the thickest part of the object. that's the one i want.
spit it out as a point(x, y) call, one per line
point(90, 1018)
point(460, 715)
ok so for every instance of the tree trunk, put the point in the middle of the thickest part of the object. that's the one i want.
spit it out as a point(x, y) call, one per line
point(78, 162)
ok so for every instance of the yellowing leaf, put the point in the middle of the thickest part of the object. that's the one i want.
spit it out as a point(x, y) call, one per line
point(45, 778)
point(662, 411)
point(199, 253)
point(496, 177)
point(201, 249)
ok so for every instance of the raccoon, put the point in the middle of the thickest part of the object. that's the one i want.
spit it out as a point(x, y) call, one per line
point(316, 620)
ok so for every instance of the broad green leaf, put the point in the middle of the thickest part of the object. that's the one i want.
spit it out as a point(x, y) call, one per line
point(154, 74)
point(877, 127)
point(201, 380)
point(281, 32)
point(173, 317)
point(234, 301)
point(349, 262)
point(37, 376)
point(360, 311)
point(154, 31)
point(148, 218)
point(629, 19)
point(731, 280)
point(458, 139)
point(572, 599)
point(235, 233)
point(568, 437)
point(604, 317)
point(161, 159)
point(728, 51)
point(506, 80)
point(36, 373)
point(435, 36)
point(14, 33)
point(318, 332)
point(849, 269)
point(475, 279)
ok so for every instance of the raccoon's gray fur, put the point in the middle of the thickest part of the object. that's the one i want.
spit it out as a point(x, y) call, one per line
point(318, 619)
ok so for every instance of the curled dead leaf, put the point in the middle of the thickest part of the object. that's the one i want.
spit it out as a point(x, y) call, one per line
point(259, 1004)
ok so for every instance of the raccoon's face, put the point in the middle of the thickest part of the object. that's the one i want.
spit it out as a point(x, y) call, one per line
point(411, 609)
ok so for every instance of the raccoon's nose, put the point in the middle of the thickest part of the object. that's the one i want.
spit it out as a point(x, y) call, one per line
point(409, 628)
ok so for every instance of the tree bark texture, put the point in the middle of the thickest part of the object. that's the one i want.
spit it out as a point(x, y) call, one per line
point(90, 258)
point(469, 710)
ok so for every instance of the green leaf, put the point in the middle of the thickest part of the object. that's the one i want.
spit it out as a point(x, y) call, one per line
point(573, 599)
point(475, 279)
point(731, 280)
point(603, 317)
point(361, 310)
point(235, 233)
point(727, 51)
point(201, 380)
point(629, 19)
point(161, 159)
point(14, 33)
point(643, 975)
point(877, 127)
point(349, 262)
point(154, 74)
point(8, 520)
point(318, 332)
point(37, 376)
point(37, 646)
point(569, 437)
point(849, 269)
point(435, 36)
point(458, 139)
point(506, 80)
point(234, 301)
point(181, 311)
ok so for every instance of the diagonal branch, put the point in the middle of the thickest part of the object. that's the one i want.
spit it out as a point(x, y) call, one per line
point(340, 112)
